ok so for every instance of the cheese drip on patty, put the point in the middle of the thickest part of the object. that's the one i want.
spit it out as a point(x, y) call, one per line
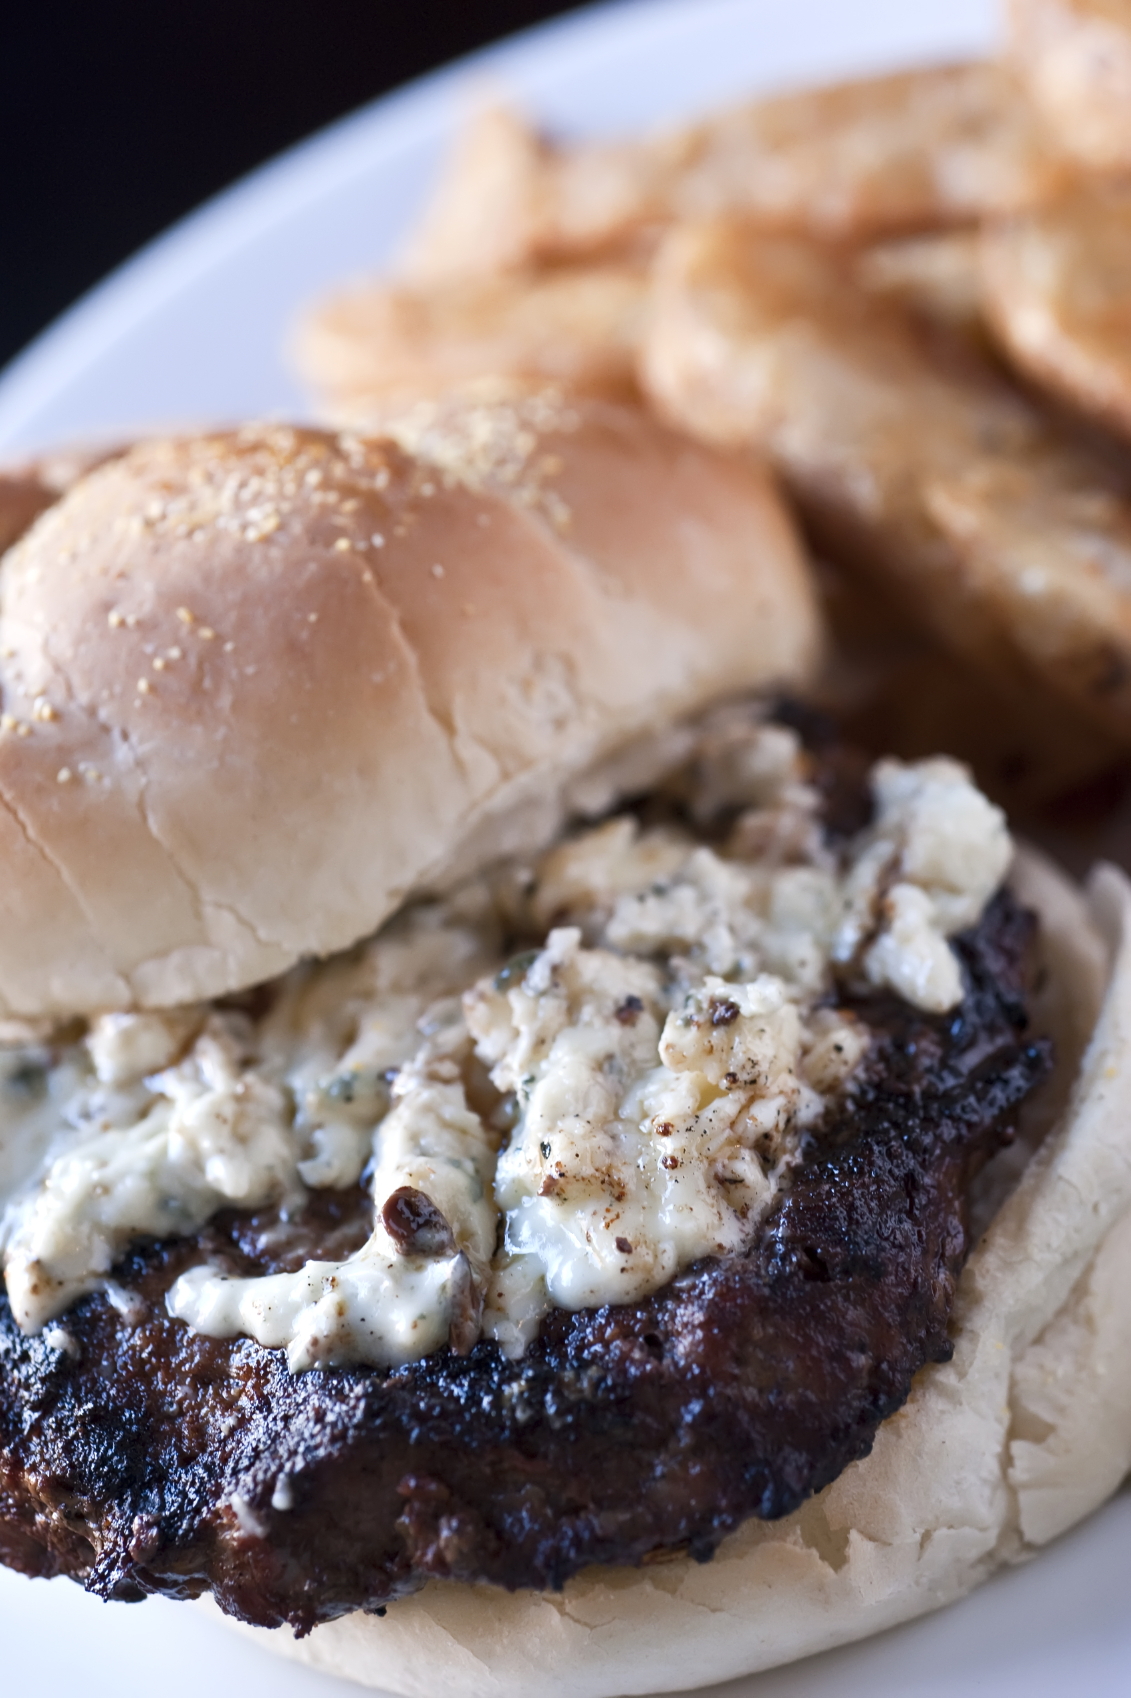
point(568, 1125)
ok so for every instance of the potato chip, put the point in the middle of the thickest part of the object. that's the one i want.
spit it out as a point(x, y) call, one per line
point(1001, 534)
point(579, 326)
point(481, 212)
point(1074, 57)
point(914, 150)
point(936, 277)
point(1058, 292)
point(911, 151)
point(895, 691)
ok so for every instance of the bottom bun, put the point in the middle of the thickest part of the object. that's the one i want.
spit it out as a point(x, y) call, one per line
point(1023, 1432)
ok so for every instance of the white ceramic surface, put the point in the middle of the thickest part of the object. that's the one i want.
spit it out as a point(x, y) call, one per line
point(192, 329)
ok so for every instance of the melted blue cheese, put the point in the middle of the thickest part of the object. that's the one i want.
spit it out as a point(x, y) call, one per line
point(206, 1136)
point(650, 1134)
point(382, 1305)
point(156, 1121)
point(657, 1061)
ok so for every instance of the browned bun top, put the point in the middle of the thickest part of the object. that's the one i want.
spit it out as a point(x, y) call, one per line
point(28, 489)
point(22, 498)
point(260, 686)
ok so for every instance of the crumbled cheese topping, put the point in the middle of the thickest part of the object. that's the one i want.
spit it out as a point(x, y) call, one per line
point(648, 1135)
point(572, 1126)
point(249, 1115)
point(933, 858)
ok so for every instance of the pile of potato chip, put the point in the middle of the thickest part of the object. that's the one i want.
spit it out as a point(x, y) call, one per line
point(912, 293)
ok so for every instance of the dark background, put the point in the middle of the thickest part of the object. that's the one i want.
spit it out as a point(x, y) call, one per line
point(117, 116)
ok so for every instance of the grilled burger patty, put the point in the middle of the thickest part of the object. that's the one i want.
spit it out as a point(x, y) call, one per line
point(138, 1457)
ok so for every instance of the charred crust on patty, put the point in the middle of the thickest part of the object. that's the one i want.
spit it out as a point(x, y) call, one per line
point(148, 1460)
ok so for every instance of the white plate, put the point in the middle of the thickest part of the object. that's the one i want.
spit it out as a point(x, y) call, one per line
point(192, 329)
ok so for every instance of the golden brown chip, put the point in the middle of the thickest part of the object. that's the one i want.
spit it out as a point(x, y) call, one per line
point(912, 151)
point(1074, 57)
point(936, 277)
point(895, 691)
point(508, 197)
point(579, 326)
point(1058, 292)
point(480, 215)
point(1003, 536)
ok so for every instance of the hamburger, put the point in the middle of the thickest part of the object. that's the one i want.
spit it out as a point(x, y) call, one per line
point(524, 1156)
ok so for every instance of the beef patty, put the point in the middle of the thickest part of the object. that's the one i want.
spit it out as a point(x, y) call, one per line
point(137, 1457)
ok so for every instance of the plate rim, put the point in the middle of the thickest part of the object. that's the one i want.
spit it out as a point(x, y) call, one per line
point(264, 199)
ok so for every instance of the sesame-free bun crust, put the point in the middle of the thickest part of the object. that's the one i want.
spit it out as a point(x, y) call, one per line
point(27, 490)
point(1025, 1431)
point(259, 687)
point(22, 498)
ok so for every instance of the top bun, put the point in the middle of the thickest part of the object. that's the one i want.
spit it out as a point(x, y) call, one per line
point(259, 687)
